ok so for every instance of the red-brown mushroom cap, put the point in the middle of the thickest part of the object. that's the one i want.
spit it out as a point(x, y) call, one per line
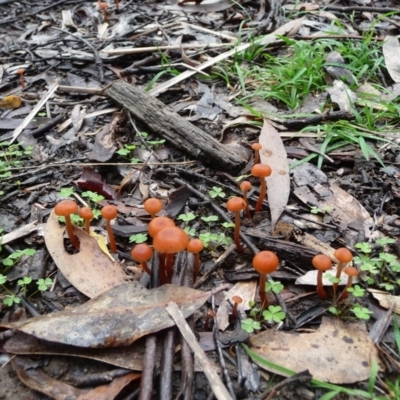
point(195, 246)
point(142, 252)
point(351, 271)
point(159, 223)
point(65, 208)
point(237, 299)
point(343, 255)
point(256, 146)
point(86, 213)
point(322, 262)
point(245, 186)
point(109, 212)
point(171, 240)
point(261, 170)
point(153, 206)
point(235, 204)
point(265, 262)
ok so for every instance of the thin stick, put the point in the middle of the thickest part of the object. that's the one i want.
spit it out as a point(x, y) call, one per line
point(220, 391)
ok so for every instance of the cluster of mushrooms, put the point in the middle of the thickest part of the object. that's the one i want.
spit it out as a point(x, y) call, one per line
point(168, 239)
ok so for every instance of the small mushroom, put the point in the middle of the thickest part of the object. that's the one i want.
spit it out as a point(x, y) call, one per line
point(351, 272)
point(264, 262)
point(64, 209)
point(322, 263)
point(87, 214)
point(344, 256)
point(236, 204)
point(256, 147)
point(261, 171)
point(245, 186)
point(159, 223)
point(110, 212)
point(153, 206)
point(195, 246)
point(142, 253)
point(236, 300)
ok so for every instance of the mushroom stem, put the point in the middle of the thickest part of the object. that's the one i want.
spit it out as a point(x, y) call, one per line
point(320, 287)
point(239, 247)
point(145, 267)
point(70, 232)
point(339, 270)
point(261, 291)
point(196, 267)
point(263, 191)
point(113, 245)
point(169, 265)
point(345, 293)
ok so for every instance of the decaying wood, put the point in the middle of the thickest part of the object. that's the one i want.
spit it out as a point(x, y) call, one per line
point(182, 134)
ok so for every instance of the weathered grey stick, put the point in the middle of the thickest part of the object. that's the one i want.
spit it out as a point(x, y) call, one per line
point(166, 123)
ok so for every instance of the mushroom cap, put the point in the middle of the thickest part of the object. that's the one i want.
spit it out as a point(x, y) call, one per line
point(351, 271)
point(235, 204)
point(256, 146)
point(245, 186)
point(321, 262)
point(237, 299)
point(65, 208)
point(195, 246)
point(171, 240)
point(261, 170)
point(142, 252)
point(343, 255)
point(265, 262)
point(153, 206)
point(159, 223)
point(86, 213)
point(109, 212)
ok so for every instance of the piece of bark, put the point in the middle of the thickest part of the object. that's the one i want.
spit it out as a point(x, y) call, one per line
point(181, 133)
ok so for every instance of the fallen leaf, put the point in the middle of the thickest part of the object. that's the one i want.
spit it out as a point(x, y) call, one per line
point(391, 50)
point(11, 102)
point(90, 270)
point(338, 352)
point(115, 318)
point(91, 180)
point(278, 184)
point(386, 299)
point(342, 95)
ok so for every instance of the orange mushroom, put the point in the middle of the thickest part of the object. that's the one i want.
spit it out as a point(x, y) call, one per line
point(344, 256)
point(236, 204)
point(87, 214)
point(256, 147)
point(264, 262)
point(64, 209)
point(153, 206)
point(195, 246)
point(245, 186)
point(142, 253)
point(159, 223)
point(21, 73)
point(322, 263)
point(261, 171)
point(110, 212)
point(168, 242)
point(351, 272)
point(236, 300)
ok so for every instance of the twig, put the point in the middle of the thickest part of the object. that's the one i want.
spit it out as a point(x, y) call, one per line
point(146, 382)
point(214, 380)
point(98, 61)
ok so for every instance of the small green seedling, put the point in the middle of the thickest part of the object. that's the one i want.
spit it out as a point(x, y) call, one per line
point(10, 299)
point(3, 279)
point(356, 291)
point(126, 150)
point(44, 284)
point(364, 247)
point(217, 192)
point(93, 196)
point(66, 192)
point(387, 286)
point(274, 314)
point(273, 286)
point(228, 225)
point(190, 231)
point(361, 312)
point(333, 310)
point(249, 325)
point(26, 280)
point(384, 241)
point(331, 278)
point(187, 217)
point(211, 218)
point(14, 257)
point(138, 238)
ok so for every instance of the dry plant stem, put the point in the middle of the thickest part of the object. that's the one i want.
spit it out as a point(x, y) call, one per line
point(221, 356)
point(146, 382)
point(214, 380)
point(320, 286)
point(382, 324)
point(113, 245)
point(261, 291)
point(237, 233)
point(70, 231)
point(167, 365)
point(263, 190)
point(219, 211)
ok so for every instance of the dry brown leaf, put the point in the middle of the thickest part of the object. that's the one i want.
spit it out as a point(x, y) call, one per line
point(274, 154)
point(115, 318)
point(11, 102)
point(338, 352)
point(391, 50)
point(386, 299)
point(90, 270)
point(342, 95)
